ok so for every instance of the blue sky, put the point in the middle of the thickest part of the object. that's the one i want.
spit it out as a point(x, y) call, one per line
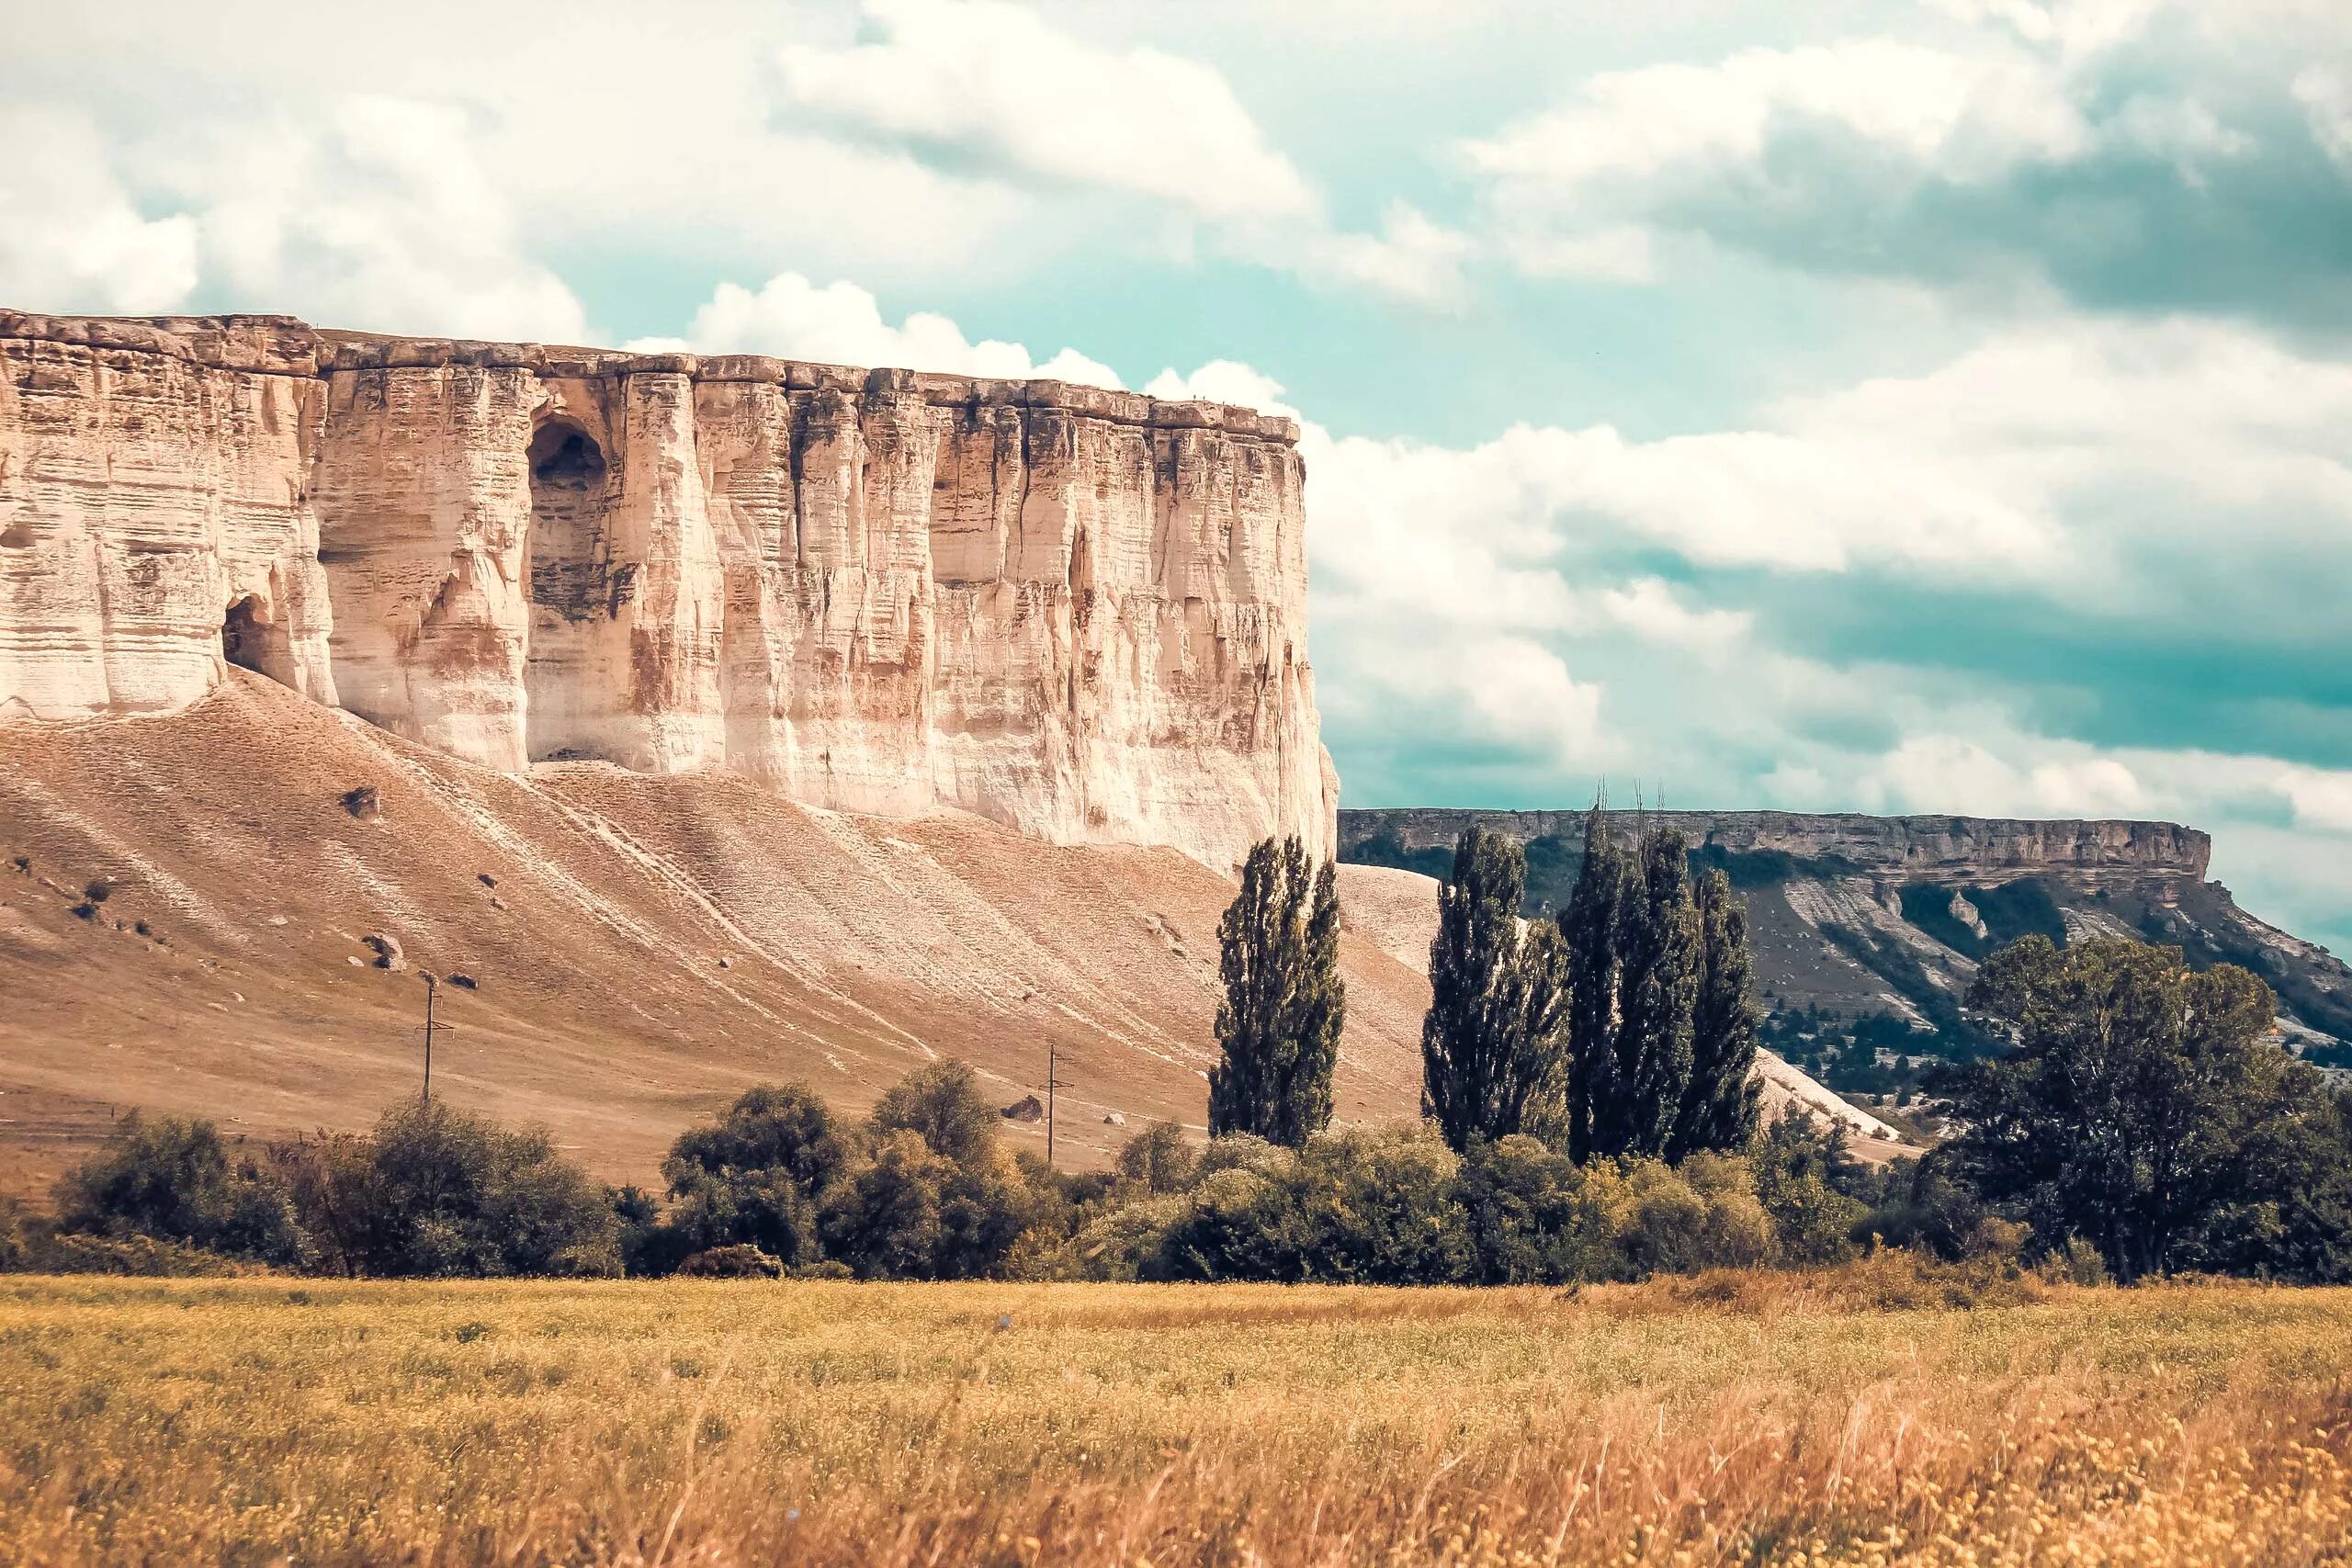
point(1919, 407)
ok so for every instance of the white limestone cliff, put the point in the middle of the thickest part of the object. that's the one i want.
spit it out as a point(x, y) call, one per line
point(1079, 614)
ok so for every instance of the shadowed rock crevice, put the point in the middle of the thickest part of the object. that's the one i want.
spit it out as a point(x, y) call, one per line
point(250, 641)
point(573, 594)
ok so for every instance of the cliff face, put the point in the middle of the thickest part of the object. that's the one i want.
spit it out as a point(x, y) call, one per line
point(1859, 915)
point(1954, 850)
point(1079, 613)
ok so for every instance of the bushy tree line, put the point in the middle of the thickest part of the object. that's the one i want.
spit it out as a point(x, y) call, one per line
point(2147, 1112)
point(2144, 1119)
point(920, 1190)
point(431, 1191)
point(1589, 1116)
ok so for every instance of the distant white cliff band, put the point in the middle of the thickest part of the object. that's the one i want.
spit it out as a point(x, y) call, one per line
point(1079, 614)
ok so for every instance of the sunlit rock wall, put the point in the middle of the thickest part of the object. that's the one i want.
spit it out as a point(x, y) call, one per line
point(1080, 613)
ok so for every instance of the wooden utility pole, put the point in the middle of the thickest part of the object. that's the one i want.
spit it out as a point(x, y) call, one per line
point(432, 988)
point(1053, 1082)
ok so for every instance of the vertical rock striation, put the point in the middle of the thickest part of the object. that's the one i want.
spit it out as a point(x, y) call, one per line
point(1079, 614)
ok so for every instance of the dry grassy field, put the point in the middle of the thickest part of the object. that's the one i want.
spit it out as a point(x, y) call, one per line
point(1856, 1417)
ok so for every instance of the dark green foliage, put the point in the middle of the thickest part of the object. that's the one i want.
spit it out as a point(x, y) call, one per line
point(1719, 1108)
point(434, 1190)
point(1757, 868)
point(176, 1180)
point(1812, 1188)
point(2143, 1107)
point(1493, 1042)
point(1356, 1207)
point(1285, 1005)
point(754, 1177)
point(1382, 1207)
point(1158, 1159)
point(1552, 865)
point(2008, 910)
point(922, 1191)
point(1533, 1217)
point(2294, 1222)
point(1927, 1204)
point(941, 1104)
point(1389, 850)
point(1927, 906)
point(2014, 910)
point(646, 1246)
point(885, 1222)
point(1636, 933)
point(1599, 906)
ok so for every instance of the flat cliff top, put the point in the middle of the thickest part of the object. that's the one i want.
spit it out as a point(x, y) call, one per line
point(1914, 845)
point(285, 345)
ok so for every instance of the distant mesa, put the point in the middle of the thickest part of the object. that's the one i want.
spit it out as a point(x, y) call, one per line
point(1856, 915)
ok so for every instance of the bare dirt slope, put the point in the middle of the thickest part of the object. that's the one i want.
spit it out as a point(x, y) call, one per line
point(644, 947)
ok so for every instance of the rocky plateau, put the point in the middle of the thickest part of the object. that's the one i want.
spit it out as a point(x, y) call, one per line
point(1853, 915)
point(1079, 613)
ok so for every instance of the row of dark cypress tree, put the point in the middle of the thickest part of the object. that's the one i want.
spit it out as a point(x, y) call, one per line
point(1622, 1027)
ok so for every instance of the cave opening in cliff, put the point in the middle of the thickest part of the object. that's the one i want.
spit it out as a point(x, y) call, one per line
point(250, 640)
point(574, 664)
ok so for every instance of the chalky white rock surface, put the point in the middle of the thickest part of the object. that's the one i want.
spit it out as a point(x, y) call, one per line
point(1080, 613)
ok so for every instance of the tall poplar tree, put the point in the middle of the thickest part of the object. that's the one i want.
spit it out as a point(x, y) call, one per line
point(1720, 1107)
point(1285, 1003)
point(1658, 947)
point(1588, 930)
point(1494, 1038)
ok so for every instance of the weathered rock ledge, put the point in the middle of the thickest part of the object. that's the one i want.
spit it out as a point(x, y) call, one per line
point(1926, 849)
point(1075, 612)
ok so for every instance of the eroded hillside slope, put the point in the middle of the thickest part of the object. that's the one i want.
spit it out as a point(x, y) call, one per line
point(643, 946)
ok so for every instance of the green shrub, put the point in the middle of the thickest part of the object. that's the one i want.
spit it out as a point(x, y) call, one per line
point(176, 1179)
point(1240, 1225)
point(1381, 1207)
point(439, 1192)
point(1158, 1160)
point(1701, 1214)
point(1124, 1244)
point(1804, 1177)
point(735, 1262)
point(883, 1220)
point(1534, 1217)
point(941, 1104)
point(754, 1177)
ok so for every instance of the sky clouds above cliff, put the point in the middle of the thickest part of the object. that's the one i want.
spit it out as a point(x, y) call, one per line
point(1939, 406)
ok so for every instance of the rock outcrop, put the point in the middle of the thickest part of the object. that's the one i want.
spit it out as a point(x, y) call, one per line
point(1957, 851)
point(1076, 613)
point(1855, 915)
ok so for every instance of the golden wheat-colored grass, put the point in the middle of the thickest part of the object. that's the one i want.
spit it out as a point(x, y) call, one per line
point(1856, 1417)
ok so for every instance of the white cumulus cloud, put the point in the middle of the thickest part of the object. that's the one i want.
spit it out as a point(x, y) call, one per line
point(998, 84)
point(71, 236)
point(841, 323)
